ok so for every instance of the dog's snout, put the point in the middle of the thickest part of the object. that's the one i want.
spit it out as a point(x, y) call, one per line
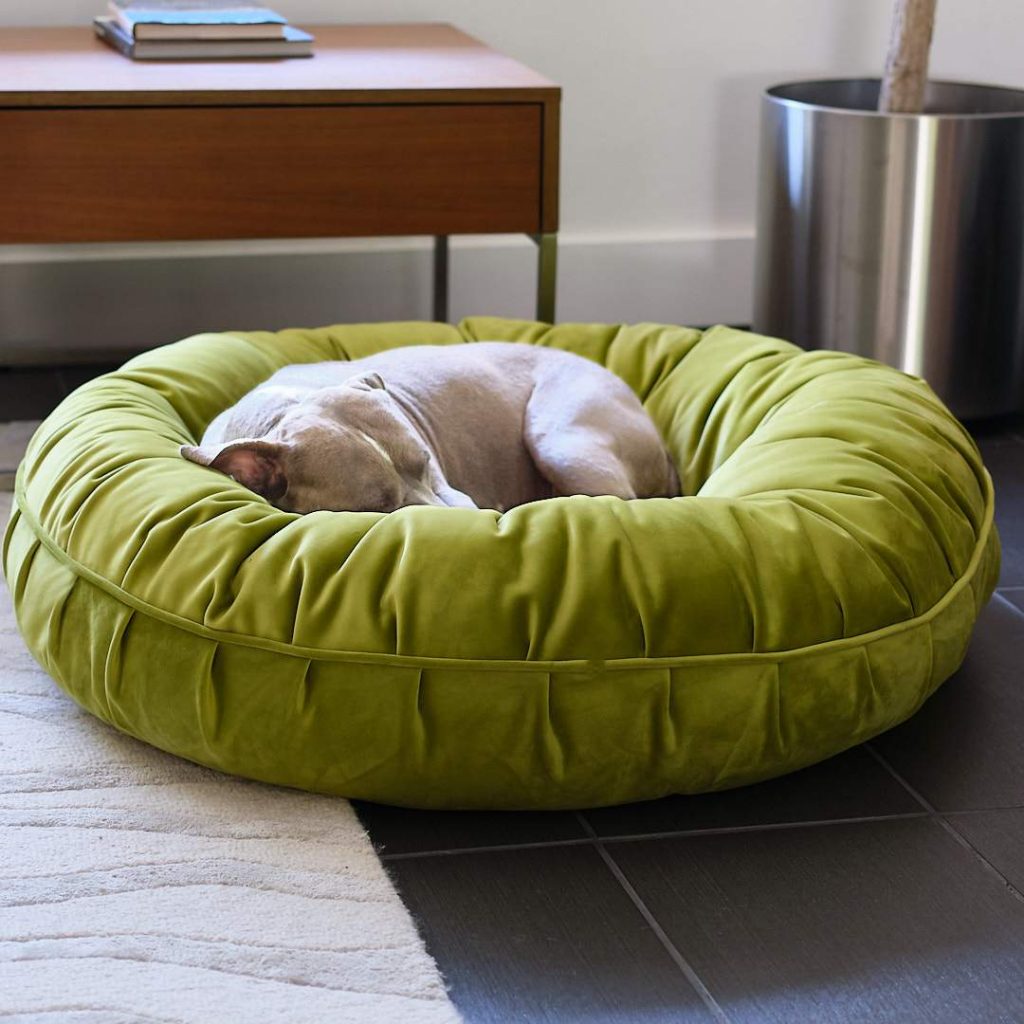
point(443, 497)
point(421, 495)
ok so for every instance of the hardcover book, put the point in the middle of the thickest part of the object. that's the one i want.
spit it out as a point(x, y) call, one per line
point(294, 43)
point(195, 19)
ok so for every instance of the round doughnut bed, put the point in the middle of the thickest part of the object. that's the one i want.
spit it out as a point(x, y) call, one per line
point(819, 580)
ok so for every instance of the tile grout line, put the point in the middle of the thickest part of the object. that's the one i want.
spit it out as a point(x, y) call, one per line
point(646, 836)
point(495, 848)
point(947, 825)
point(968, 811)
point(1002, 599)
point(652, 922)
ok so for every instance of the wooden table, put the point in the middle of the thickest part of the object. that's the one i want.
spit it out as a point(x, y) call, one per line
point(387, 130)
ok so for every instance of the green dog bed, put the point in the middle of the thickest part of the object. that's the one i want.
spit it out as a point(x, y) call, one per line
point(817, 583)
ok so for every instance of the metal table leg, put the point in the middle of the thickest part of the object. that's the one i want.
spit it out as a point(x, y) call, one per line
point(547, 272)
point(441, 278)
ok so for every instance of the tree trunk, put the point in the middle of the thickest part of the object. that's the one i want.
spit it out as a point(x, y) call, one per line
point(906, 69)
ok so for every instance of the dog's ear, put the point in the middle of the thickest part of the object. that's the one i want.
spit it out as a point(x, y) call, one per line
point(369, 381)
point(253, 462)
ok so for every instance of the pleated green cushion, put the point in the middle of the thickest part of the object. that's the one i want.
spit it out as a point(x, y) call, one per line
point(818, 582)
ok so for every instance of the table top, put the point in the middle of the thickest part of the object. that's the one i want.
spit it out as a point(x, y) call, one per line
point(406, 63)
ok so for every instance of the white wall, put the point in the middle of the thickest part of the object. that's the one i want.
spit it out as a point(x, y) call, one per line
point(658, 167)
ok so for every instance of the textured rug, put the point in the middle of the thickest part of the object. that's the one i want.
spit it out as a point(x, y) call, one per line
point(138, 887)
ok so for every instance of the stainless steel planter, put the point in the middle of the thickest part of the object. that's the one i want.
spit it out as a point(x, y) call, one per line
point(899, 237)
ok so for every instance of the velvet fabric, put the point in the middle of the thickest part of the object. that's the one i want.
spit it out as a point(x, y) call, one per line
point(818, 580)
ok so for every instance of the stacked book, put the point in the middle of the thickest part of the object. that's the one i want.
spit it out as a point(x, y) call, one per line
point(199, 30)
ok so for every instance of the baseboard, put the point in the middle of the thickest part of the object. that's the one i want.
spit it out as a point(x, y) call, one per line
point(73, 303)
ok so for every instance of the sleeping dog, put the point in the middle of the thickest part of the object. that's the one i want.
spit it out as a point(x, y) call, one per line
point(488, 425)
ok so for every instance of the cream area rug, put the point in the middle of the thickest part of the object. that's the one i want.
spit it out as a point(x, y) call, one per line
point(138, 887)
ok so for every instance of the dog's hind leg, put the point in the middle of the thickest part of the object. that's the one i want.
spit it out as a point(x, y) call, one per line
point(576, 465)
point(564, 434)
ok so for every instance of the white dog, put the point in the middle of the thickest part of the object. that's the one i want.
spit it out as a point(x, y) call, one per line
point(484, 425)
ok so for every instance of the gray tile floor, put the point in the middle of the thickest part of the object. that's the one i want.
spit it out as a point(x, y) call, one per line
point(883, 885)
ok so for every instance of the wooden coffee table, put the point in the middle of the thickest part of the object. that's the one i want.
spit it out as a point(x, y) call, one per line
point(388, 130)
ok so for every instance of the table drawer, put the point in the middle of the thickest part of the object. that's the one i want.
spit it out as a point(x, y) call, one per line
point(134, 174)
